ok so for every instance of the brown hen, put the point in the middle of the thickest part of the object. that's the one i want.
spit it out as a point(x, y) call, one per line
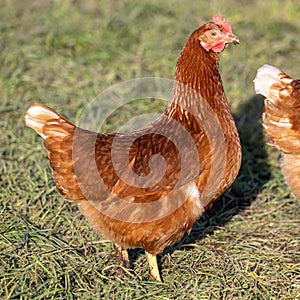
point(281, 119)
point(120, 181)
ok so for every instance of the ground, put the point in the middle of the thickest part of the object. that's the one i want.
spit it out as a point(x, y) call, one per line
point(65, 53)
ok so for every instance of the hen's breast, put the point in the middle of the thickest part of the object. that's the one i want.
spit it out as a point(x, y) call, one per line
point(152, 227)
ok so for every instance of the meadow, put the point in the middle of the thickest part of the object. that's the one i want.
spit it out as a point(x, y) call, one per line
point(64, 54)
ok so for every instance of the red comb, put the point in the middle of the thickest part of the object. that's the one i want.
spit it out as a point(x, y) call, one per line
point(222, 23)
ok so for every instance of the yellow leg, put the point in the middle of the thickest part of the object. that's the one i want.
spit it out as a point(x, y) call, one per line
point(153, 266)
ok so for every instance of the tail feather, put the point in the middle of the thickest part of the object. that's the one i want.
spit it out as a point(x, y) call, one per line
point(58, 134)
point(266, 76)
point(281, 119)
point(282, 108)
point(47, 122)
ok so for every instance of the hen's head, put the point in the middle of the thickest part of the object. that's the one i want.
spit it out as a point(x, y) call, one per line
point(216, 35)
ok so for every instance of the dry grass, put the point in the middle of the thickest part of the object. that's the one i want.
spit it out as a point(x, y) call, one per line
point(64, 53)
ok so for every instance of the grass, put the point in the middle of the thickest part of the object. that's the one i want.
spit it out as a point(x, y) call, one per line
point(64, 53)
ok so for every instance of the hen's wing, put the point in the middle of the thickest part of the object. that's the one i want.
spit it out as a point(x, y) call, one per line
point(141, 167)
point(281, 118)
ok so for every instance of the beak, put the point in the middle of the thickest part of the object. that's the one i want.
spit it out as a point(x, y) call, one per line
point(231, 38)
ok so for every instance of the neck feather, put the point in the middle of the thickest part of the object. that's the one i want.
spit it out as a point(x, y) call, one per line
point(197, 79)
point(200, 71)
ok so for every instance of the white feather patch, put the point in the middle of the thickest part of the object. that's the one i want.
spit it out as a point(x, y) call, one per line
point(37, 116)
point(283, 122)
point(194, 194)
point(36, 111)
point(265, 77)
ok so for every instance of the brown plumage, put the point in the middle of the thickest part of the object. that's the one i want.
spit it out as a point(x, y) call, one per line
point(281, 119)
point(118, 181)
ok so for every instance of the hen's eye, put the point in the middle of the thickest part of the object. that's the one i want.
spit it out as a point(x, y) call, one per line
point(213, 33)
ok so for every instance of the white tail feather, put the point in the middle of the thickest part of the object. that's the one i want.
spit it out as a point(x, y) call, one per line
point(37, 115)
point(265, 77)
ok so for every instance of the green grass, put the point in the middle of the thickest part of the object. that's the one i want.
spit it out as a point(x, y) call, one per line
point(64, 53)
